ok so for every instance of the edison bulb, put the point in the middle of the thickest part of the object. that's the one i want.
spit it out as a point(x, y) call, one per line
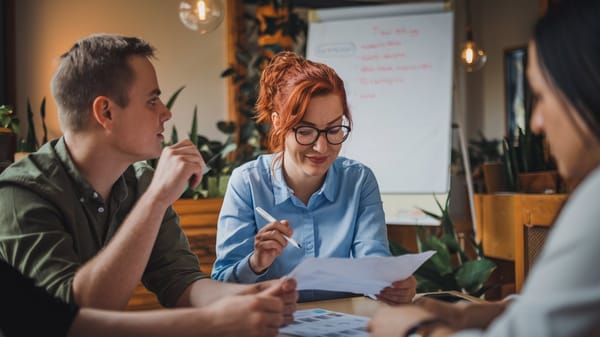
point(202, 16)
point(472, 57)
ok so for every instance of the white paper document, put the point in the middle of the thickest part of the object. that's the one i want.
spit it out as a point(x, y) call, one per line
point(367, 275)
point(325, 323)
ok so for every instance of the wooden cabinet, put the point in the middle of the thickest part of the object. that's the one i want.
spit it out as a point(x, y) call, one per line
point(198, 219)
point(512, 227)
point(537, 213)
point(496, 215)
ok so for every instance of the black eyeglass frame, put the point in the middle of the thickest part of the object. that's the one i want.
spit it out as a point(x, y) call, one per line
point(325, 131)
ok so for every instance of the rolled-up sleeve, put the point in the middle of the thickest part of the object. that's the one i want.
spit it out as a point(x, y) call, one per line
point(172, 266)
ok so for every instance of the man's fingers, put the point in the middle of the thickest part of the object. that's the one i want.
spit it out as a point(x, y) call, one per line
point(282, 286)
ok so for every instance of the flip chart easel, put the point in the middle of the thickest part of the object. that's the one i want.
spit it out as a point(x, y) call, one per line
point(396, 62)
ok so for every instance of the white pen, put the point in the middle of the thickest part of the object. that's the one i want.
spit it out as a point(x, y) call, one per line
point(270, 218)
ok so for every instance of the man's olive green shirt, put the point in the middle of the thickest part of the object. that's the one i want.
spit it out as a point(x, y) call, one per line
point(52, 221)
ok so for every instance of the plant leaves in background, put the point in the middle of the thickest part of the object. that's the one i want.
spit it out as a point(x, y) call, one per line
point(43, 114)
point(194, 130)
point(472, 274)
point(173, 97)
point(450, 268)
point(31, 144)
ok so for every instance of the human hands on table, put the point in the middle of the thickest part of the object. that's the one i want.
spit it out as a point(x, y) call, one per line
point(284, 289)
point(258, 310)
point(399, 292)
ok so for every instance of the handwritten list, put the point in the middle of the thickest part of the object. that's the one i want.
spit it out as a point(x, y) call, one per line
point(398, 76)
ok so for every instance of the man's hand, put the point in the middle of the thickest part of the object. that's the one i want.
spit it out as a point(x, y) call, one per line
point(284, 288)
point(400, 292)
point(179, 165)
point(268, 244)
point(260, 312)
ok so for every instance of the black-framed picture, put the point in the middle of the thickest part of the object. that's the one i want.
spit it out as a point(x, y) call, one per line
point(517, 91)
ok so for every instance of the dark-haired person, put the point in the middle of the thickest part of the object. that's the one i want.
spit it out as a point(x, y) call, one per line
point(331, 205)
point(561, 296)
point(87, 219)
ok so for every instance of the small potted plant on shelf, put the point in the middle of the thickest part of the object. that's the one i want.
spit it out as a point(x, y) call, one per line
point(485, 158)
point(528, 168)
point(9, 131)
point(528, 165)
point(217, 156)
point(221, 157)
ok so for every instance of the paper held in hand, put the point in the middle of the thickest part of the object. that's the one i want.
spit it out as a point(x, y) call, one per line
point(367, 275)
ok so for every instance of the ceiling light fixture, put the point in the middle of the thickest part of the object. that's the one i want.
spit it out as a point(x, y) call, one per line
point(473, 58)
point(202, 16)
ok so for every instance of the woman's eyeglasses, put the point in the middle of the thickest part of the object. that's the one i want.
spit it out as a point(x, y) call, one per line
point(308, 135)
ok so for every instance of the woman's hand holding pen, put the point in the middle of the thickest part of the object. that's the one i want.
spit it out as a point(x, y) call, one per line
point(269, 244)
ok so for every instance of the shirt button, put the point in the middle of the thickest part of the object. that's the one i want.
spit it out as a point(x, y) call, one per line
point(81, 199)
point(101, 209)
point(95, 195)
point(309, 246)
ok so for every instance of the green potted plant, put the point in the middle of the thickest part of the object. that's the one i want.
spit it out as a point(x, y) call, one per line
point(528, 166)
point(451, 268)
point(527, 162)
point(29, 143)
point(220, 156)
point(9, 131)
point(485, 157)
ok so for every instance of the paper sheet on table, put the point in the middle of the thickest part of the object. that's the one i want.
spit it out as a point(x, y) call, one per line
point(367, 275)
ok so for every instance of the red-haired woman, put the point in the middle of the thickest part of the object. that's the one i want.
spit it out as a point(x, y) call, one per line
point(331, 205)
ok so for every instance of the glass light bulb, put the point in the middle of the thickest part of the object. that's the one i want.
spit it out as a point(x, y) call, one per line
point(472, 57)
point(202, 16)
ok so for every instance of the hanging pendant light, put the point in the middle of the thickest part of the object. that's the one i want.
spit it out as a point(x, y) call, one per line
point(473, 58)
point(202, 16)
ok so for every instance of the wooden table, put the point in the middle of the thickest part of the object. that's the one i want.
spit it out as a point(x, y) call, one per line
point(362, 306)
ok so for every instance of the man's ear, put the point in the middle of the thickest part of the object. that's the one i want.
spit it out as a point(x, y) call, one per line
point(101, 111)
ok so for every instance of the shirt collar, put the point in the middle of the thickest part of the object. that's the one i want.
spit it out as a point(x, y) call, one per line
point(84, 188)
point(281, 191)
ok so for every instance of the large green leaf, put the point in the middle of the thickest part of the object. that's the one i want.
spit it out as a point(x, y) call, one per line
point(228, 72)
point(174, 136)
point(397, 249)
point(472, 274)
point(43, 115)
point(429, 279)
point(441, 260)
point(173, 97)
point(425, 285)
point(31, 143)
point(194, 130)
point(227, 127)
point(453, 246)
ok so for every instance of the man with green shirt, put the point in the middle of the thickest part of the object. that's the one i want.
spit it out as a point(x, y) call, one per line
point(87, 219)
